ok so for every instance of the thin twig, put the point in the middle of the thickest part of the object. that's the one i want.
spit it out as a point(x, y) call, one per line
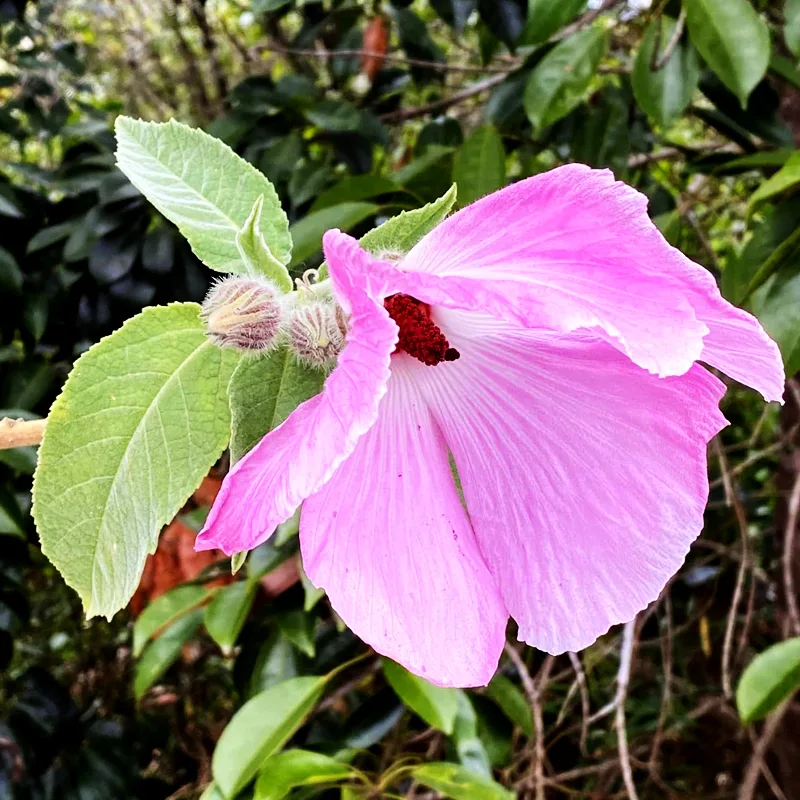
point(326, 55)
point(756, 765)
point(732, 500)
point(623, 680)
point(20, 432)
point(587, 19)
point(580, 677)
point(440, 105)
point(660, 61)
point(788, 554)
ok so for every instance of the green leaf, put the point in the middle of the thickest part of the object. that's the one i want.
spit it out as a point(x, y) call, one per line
point(546, 17)
point(770, 678)
point(263, 392)
point(255, 253)
point(399, 234)
point(458, 782)
point(512, 701)
point(787, 177)
point(312, 595)
point(298, 628)
point(161, 654)
point(733, 39)
point(259, 729)
point(334, 115)
point(212, 793)
point(471, 752)
point(778, 225)
point(436, 705)
point(286, 771)
point(227, 612)
point(479, 167)
point(307, 233)
point(357, 187)
point(12, 520)
point(165, 610)
point(141, 419)
point(47, 236)
point(559, 82)
point(777, 307)
point(791, 28)
point(201, 185)
point(664, 94)
point(10, 273)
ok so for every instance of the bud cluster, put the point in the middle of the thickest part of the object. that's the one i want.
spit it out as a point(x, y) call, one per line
point(250, 314)
point(244, 313)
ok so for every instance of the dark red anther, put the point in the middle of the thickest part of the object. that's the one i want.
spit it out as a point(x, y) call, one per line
point(419, 335)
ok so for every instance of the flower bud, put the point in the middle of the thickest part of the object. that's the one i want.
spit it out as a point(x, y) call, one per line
point(317, 332)
point(243, 313)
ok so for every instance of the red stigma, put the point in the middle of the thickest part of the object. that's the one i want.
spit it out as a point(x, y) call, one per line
point(419, 336)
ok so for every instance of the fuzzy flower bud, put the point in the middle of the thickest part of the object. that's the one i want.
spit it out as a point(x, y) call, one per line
point(243, 313)
point(316, 332)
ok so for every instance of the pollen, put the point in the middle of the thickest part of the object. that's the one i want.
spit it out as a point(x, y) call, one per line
point(419, 335)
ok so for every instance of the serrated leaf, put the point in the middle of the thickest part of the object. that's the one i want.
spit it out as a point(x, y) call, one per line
point(733, 39)
point(559, 82)
point(436, 705)
point(141, 419)
point(286, 771)
point(263, 392)
point(255, 253)
point(259, 729)
point(161, 654)
point(165, 610)
point(479, 167)
point(201, 185)
point(770, 678)
point(457, 782)
point(663, 94)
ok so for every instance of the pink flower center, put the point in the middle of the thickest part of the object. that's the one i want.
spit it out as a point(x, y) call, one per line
point(419, 336)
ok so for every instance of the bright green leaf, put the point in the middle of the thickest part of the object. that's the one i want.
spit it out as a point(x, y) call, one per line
point(512, 701)
point(201, 185)
point(263, 392)
point(307, 233)
point(259, 729)
point(285, 771)
point(559, 82)
point(787, 177)
point(165, 610)
point(791, 29)
point(770, 678)
point(457, 782)
point(141, 419)
point(733, 39)
point(479, 167)
point(255, 253)
point(227, 612)
point(161, 654)
point(436, 705)
point(334, 115)
point(546, 17)
point(664, 93)
point(312, 594)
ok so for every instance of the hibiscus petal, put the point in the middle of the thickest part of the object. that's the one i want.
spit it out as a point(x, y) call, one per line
point(388, 539)
point(584, 476)
point(572, 248)
point(291, 462)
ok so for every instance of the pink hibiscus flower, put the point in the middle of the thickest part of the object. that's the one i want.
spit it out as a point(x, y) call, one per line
point(545, 339)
